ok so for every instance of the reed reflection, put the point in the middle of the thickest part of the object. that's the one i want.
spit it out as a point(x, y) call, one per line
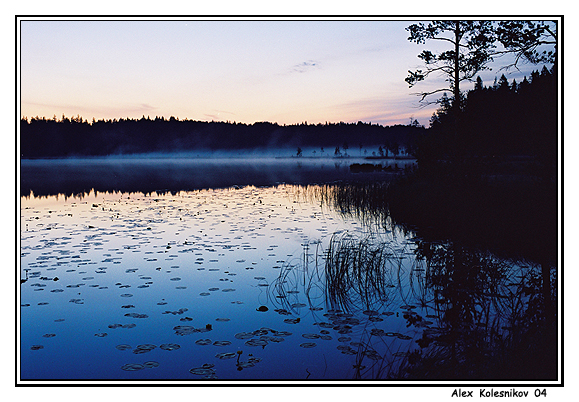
point(471, 314)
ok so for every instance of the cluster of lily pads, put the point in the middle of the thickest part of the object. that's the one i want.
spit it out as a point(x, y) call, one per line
point(199, 252)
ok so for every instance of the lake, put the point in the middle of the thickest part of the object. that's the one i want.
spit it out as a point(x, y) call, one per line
point(133, 174)
point(209, 270)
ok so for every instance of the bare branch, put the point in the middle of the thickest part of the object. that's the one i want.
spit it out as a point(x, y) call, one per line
point(425, 94)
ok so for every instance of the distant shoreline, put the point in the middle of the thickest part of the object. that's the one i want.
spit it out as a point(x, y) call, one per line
point(180, 156)
point(401, 157)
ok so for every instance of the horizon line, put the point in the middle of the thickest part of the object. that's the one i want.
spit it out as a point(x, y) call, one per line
point(80, 119)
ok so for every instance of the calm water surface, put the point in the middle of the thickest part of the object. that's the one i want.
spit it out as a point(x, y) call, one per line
point(220, 283)
point(189, 269)
point(76, 176)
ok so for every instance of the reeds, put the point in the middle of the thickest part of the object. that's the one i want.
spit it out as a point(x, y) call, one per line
point(366, 201)
point(490, 311)
point(360, 270)
point(485, 306)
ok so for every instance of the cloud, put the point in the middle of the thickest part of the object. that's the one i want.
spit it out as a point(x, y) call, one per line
point(145, 107)
point(142, 108)
point(384, 110)
point(304, 66)
point(218, 116)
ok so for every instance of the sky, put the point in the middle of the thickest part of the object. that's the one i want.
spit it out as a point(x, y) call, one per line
point(284, 71)
point(52, 70)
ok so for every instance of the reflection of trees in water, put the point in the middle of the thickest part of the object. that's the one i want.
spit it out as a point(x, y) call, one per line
point(366, 202)
point(492, 317)
point(473, 315)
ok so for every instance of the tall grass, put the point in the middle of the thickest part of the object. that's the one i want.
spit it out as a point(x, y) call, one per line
point(364, 267)
point(489, 312)
point(366, 202)
point(487, 309)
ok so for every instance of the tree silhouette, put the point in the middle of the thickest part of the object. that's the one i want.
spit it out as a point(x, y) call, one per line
point(533, 41)
point(41, 137)
point(345, 148)
point(516, 119)
point(472, 44)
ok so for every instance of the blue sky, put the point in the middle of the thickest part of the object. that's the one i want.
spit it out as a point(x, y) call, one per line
point(287, 71)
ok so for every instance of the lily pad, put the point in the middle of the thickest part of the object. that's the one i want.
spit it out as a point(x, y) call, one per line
point(132, 367)
point(169, 346)
point(275, 339)
point(291, 320)
point(136, 315)
point(202, 371)
point(221, 343)
point(243, 335)
point(325, 325)
point(311, 336)
point(256, 342)
point(225, 355)
point(185, 330)
point(371, 354)
point(146, 346)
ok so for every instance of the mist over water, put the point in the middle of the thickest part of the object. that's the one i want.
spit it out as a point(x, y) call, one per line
point(169, 172)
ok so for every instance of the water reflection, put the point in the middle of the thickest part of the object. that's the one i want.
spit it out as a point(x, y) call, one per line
point(281, 282)
point(467, 314)
point(80, 176)
point(489, 313)
point(195, 269)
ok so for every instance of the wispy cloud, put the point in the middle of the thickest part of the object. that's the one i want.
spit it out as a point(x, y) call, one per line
point(305, 66)
point(218, 115)
point(141, 108)
point(384, 110)
point(125, 110)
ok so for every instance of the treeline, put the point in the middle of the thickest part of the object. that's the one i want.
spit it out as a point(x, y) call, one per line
point(487, 176)
point(41, 137)
point(505, 119)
